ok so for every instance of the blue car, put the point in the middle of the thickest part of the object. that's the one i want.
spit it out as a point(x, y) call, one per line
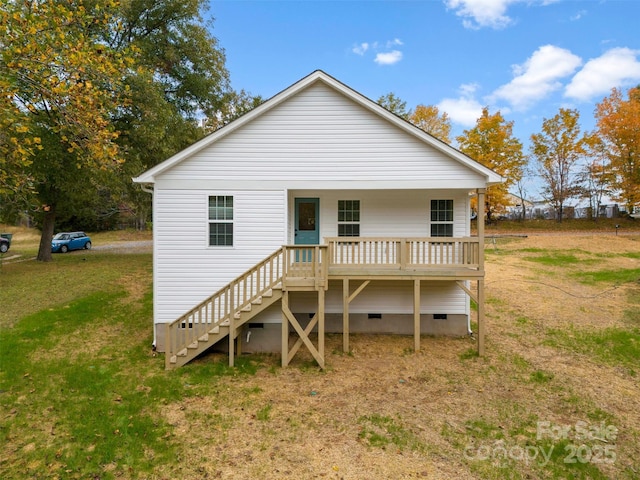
point(64, 242)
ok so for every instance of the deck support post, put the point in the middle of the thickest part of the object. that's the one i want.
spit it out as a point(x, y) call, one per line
point(345, 315)
point(480, 318)
point(416, 315)
point(481, 216)
point(232, 325)
point(320, 314)
point(303, 334)
point(347, 298)
point(285, 328)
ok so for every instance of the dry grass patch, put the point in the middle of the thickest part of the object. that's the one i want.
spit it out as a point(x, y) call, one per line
point(384, 412)
point(87, 399)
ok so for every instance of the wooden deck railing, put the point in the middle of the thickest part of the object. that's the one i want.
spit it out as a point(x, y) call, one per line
point(404, 253)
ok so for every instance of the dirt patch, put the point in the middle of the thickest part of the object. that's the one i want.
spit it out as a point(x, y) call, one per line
point(383, 411)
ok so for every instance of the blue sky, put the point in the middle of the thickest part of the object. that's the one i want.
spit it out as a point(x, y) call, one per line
point(525, 58)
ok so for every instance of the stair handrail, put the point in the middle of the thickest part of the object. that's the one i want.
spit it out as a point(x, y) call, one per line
point(224, 304)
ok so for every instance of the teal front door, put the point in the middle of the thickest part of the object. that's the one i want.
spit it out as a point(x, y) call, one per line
point(307, 226)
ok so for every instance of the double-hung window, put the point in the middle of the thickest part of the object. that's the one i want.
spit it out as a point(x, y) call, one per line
point(348, 218)
point(221, 221)
point(442, 218)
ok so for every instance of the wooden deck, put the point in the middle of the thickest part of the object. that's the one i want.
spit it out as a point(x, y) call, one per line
point(309, 268)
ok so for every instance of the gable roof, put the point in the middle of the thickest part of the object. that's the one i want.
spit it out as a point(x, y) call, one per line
point(320, 76)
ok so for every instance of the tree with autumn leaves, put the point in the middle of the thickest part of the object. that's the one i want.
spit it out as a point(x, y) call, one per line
point(618, 135)
point(93, 91)
point(491, 143)
point(60, 81)
point(559, 148)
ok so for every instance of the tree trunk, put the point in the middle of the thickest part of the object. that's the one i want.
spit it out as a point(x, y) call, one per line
point(48, 223)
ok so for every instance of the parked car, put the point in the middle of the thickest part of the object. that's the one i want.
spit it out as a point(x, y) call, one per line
point(5, 243)
point(65, 241)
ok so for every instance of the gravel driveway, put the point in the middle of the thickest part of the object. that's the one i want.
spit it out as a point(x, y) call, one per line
point(138, 246)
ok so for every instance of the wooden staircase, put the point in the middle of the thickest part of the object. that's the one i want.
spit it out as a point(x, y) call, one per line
point(221, 330)
point(222, 315)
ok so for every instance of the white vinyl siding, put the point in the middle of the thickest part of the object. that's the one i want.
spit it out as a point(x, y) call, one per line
point(390, 297)
point(186, 269)
point(324, 139)
point(391, 213)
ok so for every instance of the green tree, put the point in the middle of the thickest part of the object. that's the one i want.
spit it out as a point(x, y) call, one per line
point(429, 119)
point(618, 127)
point(597, 175)
point(89, 84)
point(60, 81)
point(491, 143)
point(180, 80)
point(234, 106)
point(558, 150)
point(395, 105)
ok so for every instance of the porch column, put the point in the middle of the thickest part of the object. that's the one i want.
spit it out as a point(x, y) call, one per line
point(321, 325)
point(285, 329)
point(345, 315)
point(480, 221)
point(416, 315)
point(480, 318)
point(232, 324)
point(481, 201)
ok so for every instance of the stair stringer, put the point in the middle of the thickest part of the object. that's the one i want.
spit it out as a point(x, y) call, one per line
point(221, 332)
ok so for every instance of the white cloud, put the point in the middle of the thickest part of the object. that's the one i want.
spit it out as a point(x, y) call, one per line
point(538, 76)
point(617, 67)
point(488, 13)
point(388, 58)
point(483, 13)
point(464, 110)
point(578, 15)
point(386, 53)
point(360, 49)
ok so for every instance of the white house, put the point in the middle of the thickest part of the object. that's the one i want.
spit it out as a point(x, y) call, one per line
point(317, 211)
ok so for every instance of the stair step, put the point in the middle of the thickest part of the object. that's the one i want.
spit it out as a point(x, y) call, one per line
point(215, 330)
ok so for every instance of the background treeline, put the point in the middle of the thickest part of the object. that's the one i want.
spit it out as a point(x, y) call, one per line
point(94, 92)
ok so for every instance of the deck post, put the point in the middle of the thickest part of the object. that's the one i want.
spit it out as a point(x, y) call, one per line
point(480, 217)
point(345, 315)
point(480, 221)
point(168, 346)
point(416, 315)
point(232, 324)
point(480, 318)
point(321, 325)
point(285, 329)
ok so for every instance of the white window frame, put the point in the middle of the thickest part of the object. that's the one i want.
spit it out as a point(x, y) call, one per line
point(226, 218)
point(439, 216)
point(349, 211)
